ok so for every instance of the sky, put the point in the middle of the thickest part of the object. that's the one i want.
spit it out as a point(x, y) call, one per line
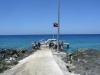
point(19, 17)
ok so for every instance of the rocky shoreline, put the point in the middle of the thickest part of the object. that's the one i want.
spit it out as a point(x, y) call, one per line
point(11, 57)
point(87, 62)
point(83, 61)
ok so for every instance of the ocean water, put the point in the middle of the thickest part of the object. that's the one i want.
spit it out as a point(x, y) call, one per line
point(25, 41)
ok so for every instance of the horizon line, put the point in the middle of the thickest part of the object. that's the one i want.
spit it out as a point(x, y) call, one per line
point(51, 34)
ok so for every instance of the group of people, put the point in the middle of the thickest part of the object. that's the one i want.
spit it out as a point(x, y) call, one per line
point(36, 45)
point(53, 45)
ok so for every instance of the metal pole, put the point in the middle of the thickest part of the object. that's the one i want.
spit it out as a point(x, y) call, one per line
point(58, 29)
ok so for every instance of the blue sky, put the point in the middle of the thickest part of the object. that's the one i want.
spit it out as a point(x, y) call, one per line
point(37, 16)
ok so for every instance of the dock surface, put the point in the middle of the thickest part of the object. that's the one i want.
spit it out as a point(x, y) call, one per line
point(41, 62)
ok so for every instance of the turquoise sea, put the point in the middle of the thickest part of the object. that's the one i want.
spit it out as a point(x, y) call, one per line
point(76, 40)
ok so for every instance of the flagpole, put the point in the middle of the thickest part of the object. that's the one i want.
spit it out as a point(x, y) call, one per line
point(58, 29)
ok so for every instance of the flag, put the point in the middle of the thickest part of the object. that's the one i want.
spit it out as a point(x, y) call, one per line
point(55, 25)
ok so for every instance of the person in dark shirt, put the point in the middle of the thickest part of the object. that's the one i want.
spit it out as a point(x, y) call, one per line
point(39, 45)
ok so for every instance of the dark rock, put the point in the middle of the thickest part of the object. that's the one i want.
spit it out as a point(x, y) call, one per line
point(10, 57)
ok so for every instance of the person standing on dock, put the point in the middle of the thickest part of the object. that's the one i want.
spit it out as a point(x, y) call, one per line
point(39, 45)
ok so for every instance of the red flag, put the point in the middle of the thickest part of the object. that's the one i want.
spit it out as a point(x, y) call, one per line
point(55, 25)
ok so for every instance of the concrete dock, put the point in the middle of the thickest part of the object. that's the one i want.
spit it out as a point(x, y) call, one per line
point(41, 62)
